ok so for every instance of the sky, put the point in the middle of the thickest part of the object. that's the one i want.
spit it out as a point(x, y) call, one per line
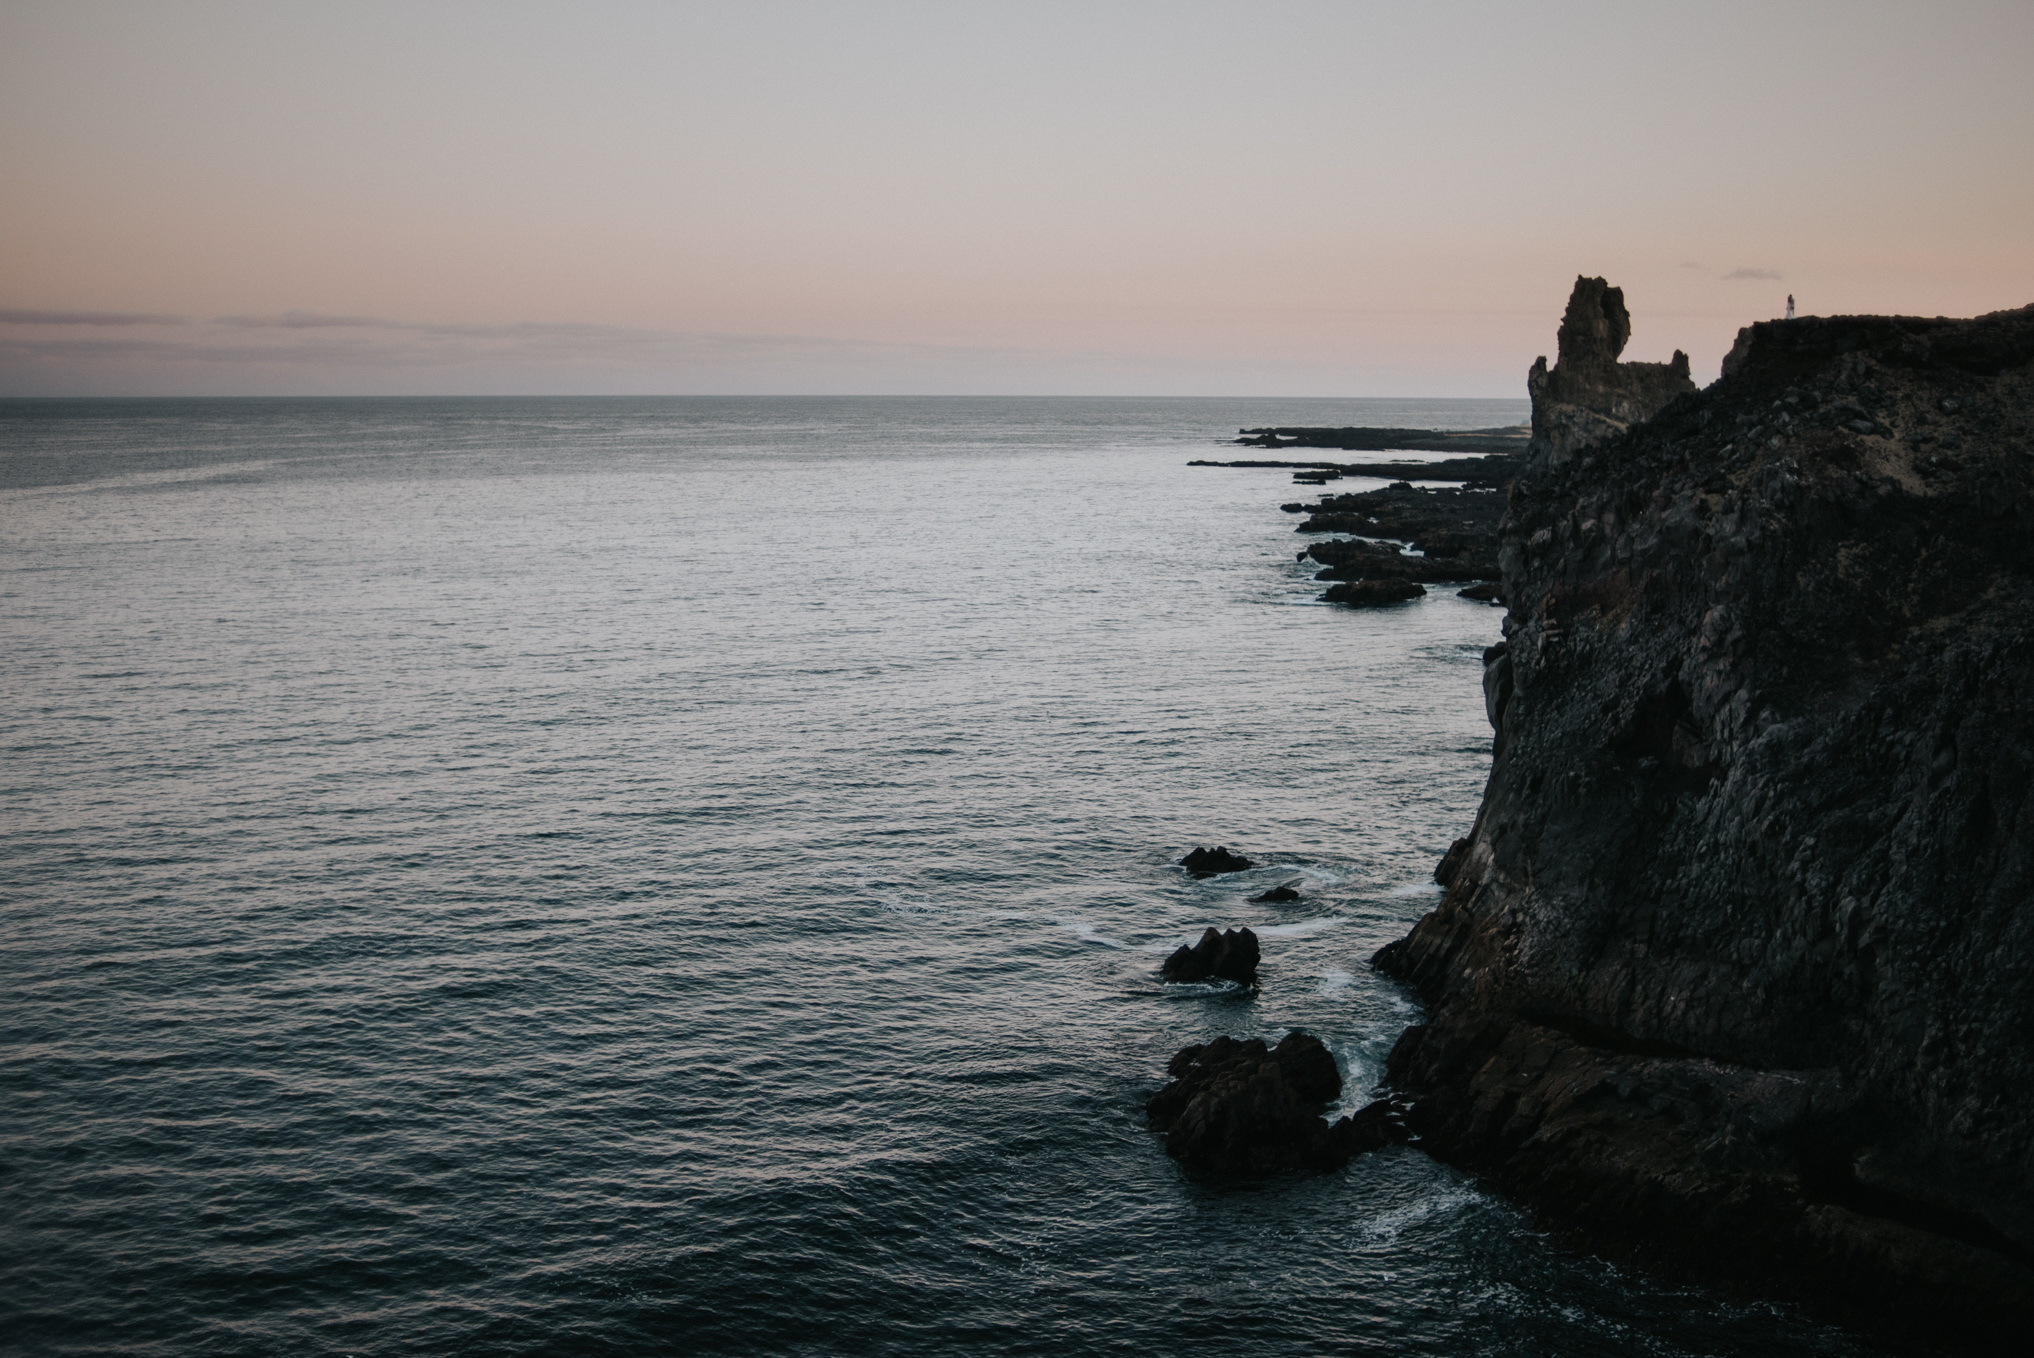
point(1275, 198)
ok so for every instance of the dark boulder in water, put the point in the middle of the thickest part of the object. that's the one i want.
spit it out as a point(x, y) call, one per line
point(1227, 956)
point(1239, 1107)
point(1213, 862)
point(1277, 893)
point(1363, 593)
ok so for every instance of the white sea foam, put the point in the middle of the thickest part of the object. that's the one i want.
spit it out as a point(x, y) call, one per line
point(1085, 930)
point(1443, 1202)
point(1304, 928)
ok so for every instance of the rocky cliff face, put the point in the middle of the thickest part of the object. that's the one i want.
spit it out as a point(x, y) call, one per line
point(1589, 395)
point(1735, 972)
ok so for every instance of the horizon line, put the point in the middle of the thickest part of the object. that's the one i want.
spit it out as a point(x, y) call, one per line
point(717, 396)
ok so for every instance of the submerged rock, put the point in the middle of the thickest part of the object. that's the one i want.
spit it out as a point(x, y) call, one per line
point(1733, 973)
point(1365, 593)
point(1214, 862)
point(1278, 893)
point(1239, 1107)
point(1231, 955)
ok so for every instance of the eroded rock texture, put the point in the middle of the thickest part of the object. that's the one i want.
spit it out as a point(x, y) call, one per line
point(1214, 862)
point(1736, 971)
point(1589, 396)
point(1230, 955)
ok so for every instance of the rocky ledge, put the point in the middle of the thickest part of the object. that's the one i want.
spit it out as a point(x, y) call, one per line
point(1451, 530)
point(1735, 972)
point(1488, 471)
point(1452, 533)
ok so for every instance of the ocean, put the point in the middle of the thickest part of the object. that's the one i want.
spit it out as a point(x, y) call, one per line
point(595, 876)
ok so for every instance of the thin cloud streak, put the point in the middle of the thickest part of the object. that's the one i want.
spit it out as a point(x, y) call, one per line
point(21, 316)
point(1753, 276)
point(405, 345)
point(310, 320)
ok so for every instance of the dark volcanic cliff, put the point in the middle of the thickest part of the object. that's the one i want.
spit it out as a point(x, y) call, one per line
point(1735, 972)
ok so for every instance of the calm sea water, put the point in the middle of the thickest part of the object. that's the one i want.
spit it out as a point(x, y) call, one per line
point(687, 876)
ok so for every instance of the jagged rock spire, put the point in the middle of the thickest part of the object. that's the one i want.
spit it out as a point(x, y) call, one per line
point(1588, 395)
point(1595, 328)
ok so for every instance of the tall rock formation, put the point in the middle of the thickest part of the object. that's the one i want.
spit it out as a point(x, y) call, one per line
point(1735, 973)
point(1589, 395)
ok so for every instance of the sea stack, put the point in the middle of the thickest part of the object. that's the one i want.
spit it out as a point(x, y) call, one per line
point(1588, 395)
point(1735, 974)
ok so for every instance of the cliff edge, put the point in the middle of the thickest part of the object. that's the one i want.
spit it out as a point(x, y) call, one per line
point(1735, 973)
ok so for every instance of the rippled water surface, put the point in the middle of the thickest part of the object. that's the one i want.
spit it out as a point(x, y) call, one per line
point(688, 876)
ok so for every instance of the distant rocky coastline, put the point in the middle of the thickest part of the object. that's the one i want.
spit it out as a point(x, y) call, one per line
point(1734, 974)
point(1402, 537)
point(1507, 440)
point(1488, 470)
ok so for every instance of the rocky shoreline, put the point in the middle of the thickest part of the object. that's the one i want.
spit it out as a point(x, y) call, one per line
point(1733, 977)
point(1402, 536)
point(1489, 470)
point(1734, 974)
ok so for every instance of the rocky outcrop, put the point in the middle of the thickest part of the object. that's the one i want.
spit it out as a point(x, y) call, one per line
point(1453, 532)
point(1479, 471)
point(1214, 862)
point(1445, 521)
point(1356, 559)
point(1231, 955)
point(1451, 862)
point(1588, 395)
point(1736, 971)
point(1238, 1107)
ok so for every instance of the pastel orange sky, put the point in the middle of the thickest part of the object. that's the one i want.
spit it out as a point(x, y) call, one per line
point(1305, 199)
